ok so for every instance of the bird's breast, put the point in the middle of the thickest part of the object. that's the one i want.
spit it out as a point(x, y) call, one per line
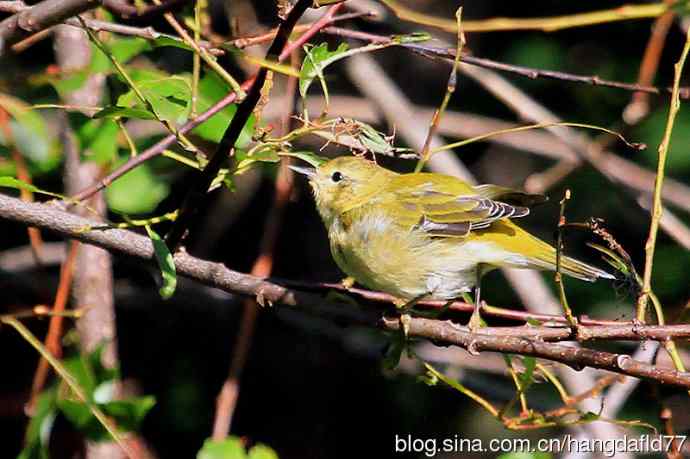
point(405, 262)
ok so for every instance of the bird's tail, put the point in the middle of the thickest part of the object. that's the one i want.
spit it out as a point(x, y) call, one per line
point(537, 254)
point(544, 257)
point(576, 268)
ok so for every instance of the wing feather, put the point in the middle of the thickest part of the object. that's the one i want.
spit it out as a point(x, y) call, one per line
point(447, 207)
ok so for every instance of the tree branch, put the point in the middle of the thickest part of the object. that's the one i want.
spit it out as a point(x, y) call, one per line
point(507, 340)
point(448, 333)
point(41, 16)
point(195, 196)
point(127, 11)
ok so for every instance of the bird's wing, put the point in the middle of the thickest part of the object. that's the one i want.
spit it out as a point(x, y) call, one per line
point(444, 206)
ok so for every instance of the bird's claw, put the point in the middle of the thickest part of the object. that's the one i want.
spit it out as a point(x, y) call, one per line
point(472, 347)
point(476, 321)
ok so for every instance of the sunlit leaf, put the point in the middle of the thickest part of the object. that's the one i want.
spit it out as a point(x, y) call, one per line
point(315, 61)
point(168, 95)
point(230, 448)
point(12, 182)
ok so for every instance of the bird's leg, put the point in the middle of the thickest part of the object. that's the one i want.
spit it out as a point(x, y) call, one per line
point(404, 307)
point(475, 322)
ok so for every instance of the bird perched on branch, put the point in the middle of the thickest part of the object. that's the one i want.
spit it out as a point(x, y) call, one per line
point(426, 235)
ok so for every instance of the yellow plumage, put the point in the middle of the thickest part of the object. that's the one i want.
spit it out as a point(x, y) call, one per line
point(426, 234)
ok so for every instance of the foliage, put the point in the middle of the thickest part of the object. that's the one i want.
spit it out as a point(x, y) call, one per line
point(99, 384)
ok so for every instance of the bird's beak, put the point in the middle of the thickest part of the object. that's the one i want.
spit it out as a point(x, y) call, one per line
point(308, 171)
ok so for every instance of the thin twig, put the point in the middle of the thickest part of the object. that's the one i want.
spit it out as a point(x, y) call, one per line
point(425, 153)
point(195, 196)
point(165, 143)
point(54, 335)
point(559, 256)
point(40, 16)
point(125, 10)
point(214, 274)
point(69, 380)
point(546, 24)
point(638, 107)
point(263, 266)
point(659, 182)
point(532, 73)
point(24, 175)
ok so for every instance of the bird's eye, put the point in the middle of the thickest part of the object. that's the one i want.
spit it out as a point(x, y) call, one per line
point(336, 177)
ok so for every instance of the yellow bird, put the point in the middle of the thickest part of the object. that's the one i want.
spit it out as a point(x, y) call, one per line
point(426, 235)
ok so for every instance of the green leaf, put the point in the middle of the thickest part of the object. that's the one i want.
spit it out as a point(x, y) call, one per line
point(114, 111)
point(129, 413)
point(139, 191)
point(29, 132)
point(165, 263)
point(527, 377)
point(211, 90)
point(79, 366)
point(103, 147)
point(66, 84)
point(261, 451)
point(97, 137)
point(40, 426)
point(308, 156)
point(265, 154)
point(102, 373)
point(166, 40)
point(168, 95)
point(11, 182)
point(414, 37)
point(79, 415)
point(230, 448)
point(315, 61)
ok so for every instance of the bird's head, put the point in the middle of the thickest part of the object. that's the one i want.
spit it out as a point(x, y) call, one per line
point(343, 183)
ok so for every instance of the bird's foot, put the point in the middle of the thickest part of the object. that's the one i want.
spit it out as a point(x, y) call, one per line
point(348, 282)
point(476, 322)
point(472, 347)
